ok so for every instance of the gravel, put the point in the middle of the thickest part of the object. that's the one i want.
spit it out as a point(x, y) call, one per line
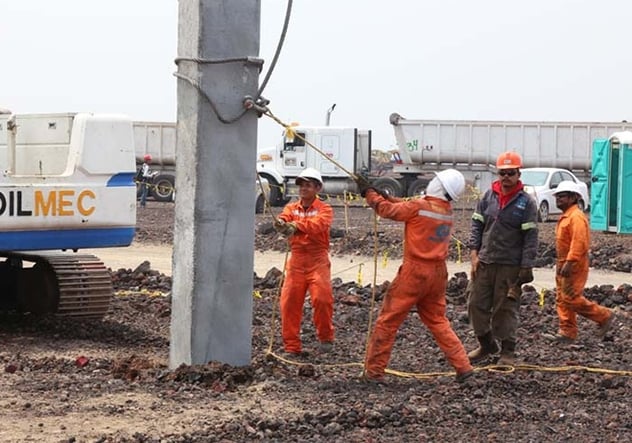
point(109, 381)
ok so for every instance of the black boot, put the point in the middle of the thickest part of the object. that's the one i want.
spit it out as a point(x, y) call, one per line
point(507, 353)
point(487, 346)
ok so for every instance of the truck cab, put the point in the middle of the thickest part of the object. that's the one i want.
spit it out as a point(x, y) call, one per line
point(281, 164)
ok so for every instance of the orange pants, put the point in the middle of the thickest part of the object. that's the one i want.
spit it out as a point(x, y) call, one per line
point(307, 272)
point(420, 284)
point(570, 301)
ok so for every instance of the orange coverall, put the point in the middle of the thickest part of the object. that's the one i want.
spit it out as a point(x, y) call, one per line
point(421, 280)
point(572, 240)
point(308, 268)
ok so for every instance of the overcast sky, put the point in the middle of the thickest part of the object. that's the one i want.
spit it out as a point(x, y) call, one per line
point(432, 59)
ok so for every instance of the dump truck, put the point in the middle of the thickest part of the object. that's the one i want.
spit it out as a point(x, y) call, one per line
point(159, 140)
point(425, 146)
point(67, 184)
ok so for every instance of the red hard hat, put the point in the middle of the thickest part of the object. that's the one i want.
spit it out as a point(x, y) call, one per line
point(147, 157)
point(509, 160)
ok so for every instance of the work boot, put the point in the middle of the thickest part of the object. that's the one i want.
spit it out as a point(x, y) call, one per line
point(487, 346)
point(461, 377)
point(325, 347)
point(606, 326)
point(373, 379)
point(291, 354)
point(559, 338)
point(507, 353)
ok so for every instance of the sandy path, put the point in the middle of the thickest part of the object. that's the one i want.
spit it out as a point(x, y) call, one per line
point(346, 267)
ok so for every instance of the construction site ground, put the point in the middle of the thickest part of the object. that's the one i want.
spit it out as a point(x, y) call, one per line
point(109, 381)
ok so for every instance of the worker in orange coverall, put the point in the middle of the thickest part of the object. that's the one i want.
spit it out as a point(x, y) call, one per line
point(307, 223)
point(423, 276)
point(572, 240)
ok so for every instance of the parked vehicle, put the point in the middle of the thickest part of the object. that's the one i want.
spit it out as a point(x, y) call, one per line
point(280, 165)
point(159, 140)
point(262, 194)
point(425, 146)
point(541, 184)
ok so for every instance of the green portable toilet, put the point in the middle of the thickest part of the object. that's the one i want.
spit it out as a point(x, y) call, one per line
point(610, 206)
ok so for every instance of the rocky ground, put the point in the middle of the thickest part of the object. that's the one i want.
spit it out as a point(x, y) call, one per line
point(109, 381)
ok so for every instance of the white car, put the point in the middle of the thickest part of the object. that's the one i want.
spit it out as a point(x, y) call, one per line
point(542, 182)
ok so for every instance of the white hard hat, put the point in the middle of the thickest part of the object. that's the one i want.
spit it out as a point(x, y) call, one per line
point(567, 186)
point(309, 174)
point(453, 182)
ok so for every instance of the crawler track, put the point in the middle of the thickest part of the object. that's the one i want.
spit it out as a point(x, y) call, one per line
point(66, 284)
point(85, 285)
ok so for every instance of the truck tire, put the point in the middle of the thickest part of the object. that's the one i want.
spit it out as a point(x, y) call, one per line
point(543, 212)
point(276, 195)
point(417, 187)
point(390, 185)
point(260, 204)
point(162, 188)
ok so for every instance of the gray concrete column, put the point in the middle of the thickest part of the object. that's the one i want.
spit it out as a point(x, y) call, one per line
point(211, 315)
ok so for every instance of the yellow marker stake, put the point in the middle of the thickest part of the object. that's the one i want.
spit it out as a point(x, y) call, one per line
point(541, 300)
point(256, 294)
point(360, 274)
point(458, 252)
point(384, 259)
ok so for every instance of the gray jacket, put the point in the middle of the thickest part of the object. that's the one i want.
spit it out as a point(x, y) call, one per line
point(507, 236)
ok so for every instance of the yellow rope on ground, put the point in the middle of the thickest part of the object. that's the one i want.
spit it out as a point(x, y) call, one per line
point(128, 292)
point(318, 365)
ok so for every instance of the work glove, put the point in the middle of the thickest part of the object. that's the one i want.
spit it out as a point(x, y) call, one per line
point(286, 228)
point(382, 192)
point(525, 275)
point(289, 229)
point(363, 184)
point(279, 225)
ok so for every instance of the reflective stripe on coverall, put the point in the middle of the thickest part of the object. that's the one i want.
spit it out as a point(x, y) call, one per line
point(421, 280)
point(308, 268)
point(572, 240)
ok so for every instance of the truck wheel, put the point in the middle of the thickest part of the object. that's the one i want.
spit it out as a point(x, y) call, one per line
point(543, 212)
point(276, 195)
point(260, 204)
point(390, 185)
point(417, 187)
point(162, 188)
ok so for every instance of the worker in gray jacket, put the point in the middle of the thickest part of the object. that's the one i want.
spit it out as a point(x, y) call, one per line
point(503, 246)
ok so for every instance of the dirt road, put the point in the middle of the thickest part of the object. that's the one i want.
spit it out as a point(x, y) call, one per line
point(346, 267)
